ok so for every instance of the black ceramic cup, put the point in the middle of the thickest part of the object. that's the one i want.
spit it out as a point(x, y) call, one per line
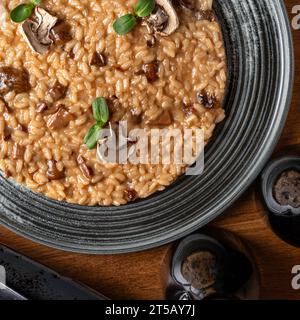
point(214, 270)
point(284, 219)
point(225, 270)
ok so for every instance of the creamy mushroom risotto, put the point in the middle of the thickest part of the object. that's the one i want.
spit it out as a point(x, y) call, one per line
point(69, 68)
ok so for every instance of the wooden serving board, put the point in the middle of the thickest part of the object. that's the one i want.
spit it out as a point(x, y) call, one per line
point(144, 275)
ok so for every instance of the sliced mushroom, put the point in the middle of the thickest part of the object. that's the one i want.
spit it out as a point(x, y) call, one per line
point(60, 119)
point(53, 173)
point(41, 107)
point(150, 36)
point(207, 100)
point(200, 14)
point(151, 70)
point(130, 194)
point(150, 41)
point(185, 4)
point(116, 111)
point(46, 108)
point(98, 59)
point(86, 170)
point(37, 31)
point(163, 18)
point(57, 91)
point(205, 15)
point(12, 79)
point(61, 33)
point(122, 141)
point(114, 129)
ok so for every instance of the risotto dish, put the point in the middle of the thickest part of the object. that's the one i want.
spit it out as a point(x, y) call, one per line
point(71, 68)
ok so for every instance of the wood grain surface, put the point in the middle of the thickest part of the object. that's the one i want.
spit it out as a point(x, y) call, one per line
point(144, 275)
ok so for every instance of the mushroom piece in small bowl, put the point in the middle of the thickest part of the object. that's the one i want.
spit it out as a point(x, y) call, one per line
point(280, 187)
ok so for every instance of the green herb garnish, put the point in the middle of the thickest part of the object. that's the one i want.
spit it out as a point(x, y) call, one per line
point(100, 110)
point(127, 22)
point(144, 8)
point(92, 136)
point(23, 11)
point(101, 115)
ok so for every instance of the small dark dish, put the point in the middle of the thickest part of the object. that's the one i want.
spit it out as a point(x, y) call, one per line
point(211, 272)
point(208, 268)
point(269, 179)
point(282, 204)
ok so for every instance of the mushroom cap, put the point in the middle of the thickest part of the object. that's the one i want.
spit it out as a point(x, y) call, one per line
point(173, 21)
point(37, 31)
point(119, 143)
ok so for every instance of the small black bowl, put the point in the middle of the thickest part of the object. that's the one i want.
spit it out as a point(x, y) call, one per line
point(268, 179)
point(284, 219)
point(234, 274)
point(200, 243)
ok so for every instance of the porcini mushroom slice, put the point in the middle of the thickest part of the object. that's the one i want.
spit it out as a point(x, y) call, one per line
point(121, 141)
point(114, 129)
point(61, 33)
point(206, 99)
point(205, 15)
point(53, 173)
point(60, 119)
point(98, 60)
point(12, 79)
point(84, 168)
point(37, 31)
point(151, 70)
point(200, 14)
point(57, 91)
point(164, 18)
point(130, 194)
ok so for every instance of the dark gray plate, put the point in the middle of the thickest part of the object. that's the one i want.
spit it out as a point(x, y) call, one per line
point(260, 62)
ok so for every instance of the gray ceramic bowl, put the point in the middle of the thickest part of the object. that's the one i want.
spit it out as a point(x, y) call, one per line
point(260, 62)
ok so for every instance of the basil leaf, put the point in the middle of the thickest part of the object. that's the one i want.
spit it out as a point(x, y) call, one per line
point(100, 110)
point(36, 2)
point(124, 24)
point(144, 8)
point(21, 12)
point(91, 138)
